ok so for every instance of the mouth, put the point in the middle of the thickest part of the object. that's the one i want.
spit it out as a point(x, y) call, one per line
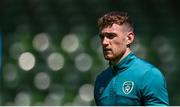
point(106, 49)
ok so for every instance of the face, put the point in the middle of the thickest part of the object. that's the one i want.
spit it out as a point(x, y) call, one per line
point(114, 41)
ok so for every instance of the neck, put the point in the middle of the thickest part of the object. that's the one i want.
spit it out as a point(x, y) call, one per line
point(115, 62)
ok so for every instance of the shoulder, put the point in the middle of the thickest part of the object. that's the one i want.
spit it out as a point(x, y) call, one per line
point(143, 63)
point(146, 67)
point(150, 74)
point(153, 85)
point(102, 80)
point(104, 74)
point(146, 71)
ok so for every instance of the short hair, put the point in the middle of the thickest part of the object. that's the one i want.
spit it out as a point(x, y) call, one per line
point(115, 17)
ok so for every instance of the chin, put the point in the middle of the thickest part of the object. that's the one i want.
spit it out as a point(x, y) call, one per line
point(108, 58)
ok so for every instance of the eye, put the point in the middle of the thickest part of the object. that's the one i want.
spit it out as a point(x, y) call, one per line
point(111, 35)
point(101, 36)
point(107, 35)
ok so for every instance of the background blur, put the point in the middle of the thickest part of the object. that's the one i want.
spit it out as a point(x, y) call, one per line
point(52, 54)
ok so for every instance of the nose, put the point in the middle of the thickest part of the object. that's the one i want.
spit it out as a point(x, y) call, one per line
point(105, 41)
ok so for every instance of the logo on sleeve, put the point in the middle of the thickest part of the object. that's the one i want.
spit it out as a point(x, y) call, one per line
point(101, 90)
point(128, 86)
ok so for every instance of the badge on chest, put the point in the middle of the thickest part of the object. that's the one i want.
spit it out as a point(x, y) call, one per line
point(127, 87)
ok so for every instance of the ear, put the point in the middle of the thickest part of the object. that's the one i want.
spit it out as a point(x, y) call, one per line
point(130, 38)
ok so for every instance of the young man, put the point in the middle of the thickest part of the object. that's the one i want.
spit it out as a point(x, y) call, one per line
point(129, 80)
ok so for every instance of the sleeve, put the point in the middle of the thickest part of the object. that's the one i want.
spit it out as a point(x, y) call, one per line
point(154, 89)
point(95, 92)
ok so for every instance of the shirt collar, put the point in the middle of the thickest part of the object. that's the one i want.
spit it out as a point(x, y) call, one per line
point(123, 64)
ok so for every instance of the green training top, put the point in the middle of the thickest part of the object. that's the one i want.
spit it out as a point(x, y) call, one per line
point(132, 82)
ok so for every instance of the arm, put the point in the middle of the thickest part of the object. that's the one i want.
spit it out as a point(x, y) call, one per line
point(154, 89)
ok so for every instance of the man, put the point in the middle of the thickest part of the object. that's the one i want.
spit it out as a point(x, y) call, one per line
point(129, 80)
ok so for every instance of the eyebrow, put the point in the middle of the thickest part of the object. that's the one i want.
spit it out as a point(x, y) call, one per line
point(100, 34)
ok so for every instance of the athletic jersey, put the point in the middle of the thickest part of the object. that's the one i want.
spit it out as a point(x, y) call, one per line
point(132, 82)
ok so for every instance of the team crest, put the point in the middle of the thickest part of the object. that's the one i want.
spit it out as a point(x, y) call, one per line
point(128, 86)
